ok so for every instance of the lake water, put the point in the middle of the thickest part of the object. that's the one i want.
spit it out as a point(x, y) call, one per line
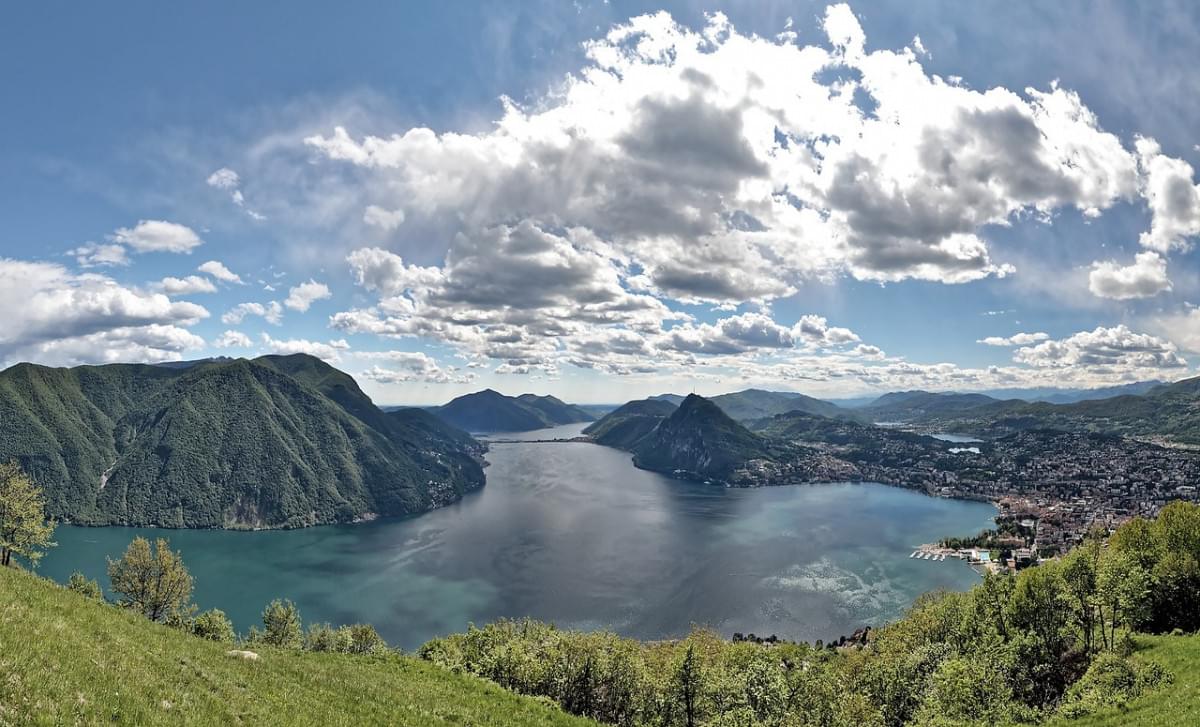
point(573, 533)
point(956, 438)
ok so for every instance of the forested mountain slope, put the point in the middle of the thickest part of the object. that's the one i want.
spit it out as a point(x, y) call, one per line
point(273, 442)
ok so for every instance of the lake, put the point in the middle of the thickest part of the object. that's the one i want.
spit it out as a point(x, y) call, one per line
point(573, 533)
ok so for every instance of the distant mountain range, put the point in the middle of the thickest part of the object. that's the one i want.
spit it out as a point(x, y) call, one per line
point(491, 411)
point(725, 439)
point(278, 441)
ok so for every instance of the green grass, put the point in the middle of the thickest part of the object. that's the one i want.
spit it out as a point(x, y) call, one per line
point(1174, 705)
point(67, 660)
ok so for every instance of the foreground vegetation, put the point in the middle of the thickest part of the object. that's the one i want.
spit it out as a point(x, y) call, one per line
point(69, 659)
point(1055, 642)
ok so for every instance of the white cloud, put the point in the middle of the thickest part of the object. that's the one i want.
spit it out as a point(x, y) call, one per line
point(384, 219)
point(330, 351)
point(1182, 327)
point(1145, 278)
point(412, 366)
point(94, 255)
point(218, 270)
point(52, 315)
point(228, 180)
point(1173, 198)
point(734, 167)
point(1114, 349)
point(186, 286)
point(755, 331)
point(302, 296)
point(158, 236)
point(272, 312)
point(224, 178)
point(1017, 339)
point(233, 339)
point(137, 344)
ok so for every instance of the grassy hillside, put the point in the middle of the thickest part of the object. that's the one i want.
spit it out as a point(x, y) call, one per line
point(67, 660)
point(1172, 705)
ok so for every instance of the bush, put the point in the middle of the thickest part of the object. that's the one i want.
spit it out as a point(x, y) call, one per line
point(81, 585)
point(281, 626)
point(323, 637)
point(1111, 681)
point(364, 639)
point(214, 625)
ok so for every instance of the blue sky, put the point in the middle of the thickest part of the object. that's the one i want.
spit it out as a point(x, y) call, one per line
point(790, 195)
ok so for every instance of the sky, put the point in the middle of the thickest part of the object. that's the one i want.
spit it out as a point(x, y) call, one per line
point(608, 200)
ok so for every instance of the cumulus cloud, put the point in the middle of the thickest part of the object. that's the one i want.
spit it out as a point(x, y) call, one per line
point(1114, 349)
point(52, 315)
point(186, 286)
point(734, 167)
point(1173, 198)
point(1145, 278)
point(218, 270)
point(233, 339)
point(158, 236)
point(272, 312)
point(136, 344)
point(1017, 339)
point(302, 296)
point(412, 366)
point(95, 255)
point(330, 351)
point(384, 219)
point(751, 331)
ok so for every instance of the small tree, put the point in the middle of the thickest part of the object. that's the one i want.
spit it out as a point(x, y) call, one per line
point(689, 681)
point(79, 583)
point(23, 526)
point(281, 625)
point(151, 580)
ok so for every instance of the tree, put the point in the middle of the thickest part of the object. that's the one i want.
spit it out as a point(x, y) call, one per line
point(281, 625)
point(151, 580)
point(1122, 594)
point(24, 529)
point(689, 681)
point(1079, 576)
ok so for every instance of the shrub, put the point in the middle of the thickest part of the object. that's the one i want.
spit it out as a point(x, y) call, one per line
point(364, 639)
point(1111, 681)
point(323, 637)
point(214, 625)
point(81, 585)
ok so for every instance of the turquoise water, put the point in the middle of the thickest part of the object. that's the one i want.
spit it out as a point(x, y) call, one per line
point(573, 533)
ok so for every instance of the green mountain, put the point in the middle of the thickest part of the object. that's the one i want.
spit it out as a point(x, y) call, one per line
point(625, 426)
point(752, 404)
point(911, 405)
point(279, 441)
point(491, 411)
point(699, 441)
point(1170, 411)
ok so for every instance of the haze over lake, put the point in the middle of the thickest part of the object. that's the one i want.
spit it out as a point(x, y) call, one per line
point(573, 533)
